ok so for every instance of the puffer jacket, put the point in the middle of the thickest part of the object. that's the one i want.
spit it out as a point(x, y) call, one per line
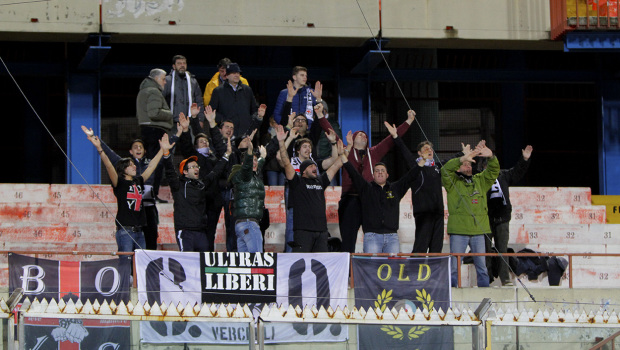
point(151, 107)
point(249, 189)
point(467, 196)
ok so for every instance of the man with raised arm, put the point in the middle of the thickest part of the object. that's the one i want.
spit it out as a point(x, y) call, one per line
point(190, 201)
point(249, 199)
point(307, 197)
point(363, 159)
point(138, 156)
point(381, 201)
point(297, 98)
point(500, 213)
point(128, 189)
point(467, 206)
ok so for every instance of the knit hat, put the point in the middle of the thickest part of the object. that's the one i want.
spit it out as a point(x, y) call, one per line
point(305, 164)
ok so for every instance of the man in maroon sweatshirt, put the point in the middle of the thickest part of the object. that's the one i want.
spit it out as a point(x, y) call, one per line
point(363, 159)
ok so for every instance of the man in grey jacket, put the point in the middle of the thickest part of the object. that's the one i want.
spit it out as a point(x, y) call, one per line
point(154, 117)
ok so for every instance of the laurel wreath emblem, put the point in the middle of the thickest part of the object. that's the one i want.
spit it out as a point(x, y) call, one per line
point(395, 332)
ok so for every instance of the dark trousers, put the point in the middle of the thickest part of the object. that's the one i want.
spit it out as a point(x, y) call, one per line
point(150, 230)
point(151, 137)
point(428, 233)
point(213, 217)
point(349, 221)
point(500, 233)
point(192, 241)
point(229, 221)
point(310, 241)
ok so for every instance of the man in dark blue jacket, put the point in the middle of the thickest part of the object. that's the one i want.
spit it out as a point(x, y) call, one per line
point(297, 98)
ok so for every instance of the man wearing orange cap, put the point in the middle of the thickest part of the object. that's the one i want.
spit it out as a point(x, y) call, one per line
point(190, 201)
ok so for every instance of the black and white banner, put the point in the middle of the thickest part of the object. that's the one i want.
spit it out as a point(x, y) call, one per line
point(53, 279)
point(312, 279)
point(382, 282)
point(168, 277)
point(243, 278)
point(299, 279)
point(76, 334)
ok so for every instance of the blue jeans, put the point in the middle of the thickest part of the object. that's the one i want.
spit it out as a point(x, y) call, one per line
point(275, 178)
point(125, 242)
point(249, 237)
point(381, 243)
point(458, 244)
point(289, 235)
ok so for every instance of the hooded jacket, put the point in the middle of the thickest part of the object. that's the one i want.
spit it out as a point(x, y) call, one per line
point(364, 163)
point(249, 189)
point(151, 107)
point(467, 197)
point(190, 196)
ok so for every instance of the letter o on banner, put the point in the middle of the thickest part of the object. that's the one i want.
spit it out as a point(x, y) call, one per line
point(389, 272)
point(115, 283)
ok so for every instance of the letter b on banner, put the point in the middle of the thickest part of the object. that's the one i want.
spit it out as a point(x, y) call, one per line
point(33, 274)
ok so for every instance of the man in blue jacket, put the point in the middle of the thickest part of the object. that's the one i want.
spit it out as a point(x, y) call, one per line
point(297, 98)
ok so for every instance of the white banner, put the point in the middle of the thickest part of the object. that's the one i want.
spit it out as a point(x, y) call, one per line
point(312, 279)
point(168, 276)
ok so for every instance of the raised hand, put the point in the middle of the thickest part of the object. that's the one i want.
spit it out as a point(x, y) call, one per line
point(318, 90)
point(280, 133)
point(410, 116)
point(340, 146)
point(252, 134)
point(263, 151)
point(391, 129)
point(466, 149)
point(331, 135)
point(261, 110)
point(318, 109)
point(290, 90)
point(164, 143)
point(229, 147)
point(527, 152)
point(194, 110)
point(290, 120)
point(293, 133)
point(209, 114)
point(184, 122)
point(90, 135)
point(349, 138)
point(249, 143)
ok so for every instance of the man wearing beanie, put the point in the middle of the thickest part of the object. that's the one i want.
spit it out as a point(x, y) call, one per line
point(307, 197)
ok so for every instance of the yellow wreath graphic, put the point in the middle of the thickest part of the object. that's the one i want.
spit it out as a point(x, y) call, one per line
point(395, 332)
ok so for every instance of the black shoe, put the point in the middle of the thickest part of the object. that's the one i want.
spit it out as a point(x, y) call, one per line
point(159, 200)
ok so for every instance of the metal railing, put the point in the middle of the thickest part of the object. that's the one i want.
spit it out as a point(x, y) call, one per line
point(610, 340)
point(569, 15)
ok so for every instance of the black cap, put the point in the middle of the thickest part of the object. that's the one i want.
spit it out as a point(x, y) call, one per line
point(305, 164)
point(233, 68)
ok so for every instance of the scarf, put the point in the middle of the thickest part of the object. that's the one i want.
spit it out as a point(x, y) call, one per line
point(189, 93)
point(204, 151)
point(429, 162)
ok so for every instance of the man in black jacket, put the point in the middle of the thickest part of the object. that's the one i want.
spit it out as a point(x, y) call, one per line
point(381, 201)
point(500, 213)
point(190, 201)
point(234, 101)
